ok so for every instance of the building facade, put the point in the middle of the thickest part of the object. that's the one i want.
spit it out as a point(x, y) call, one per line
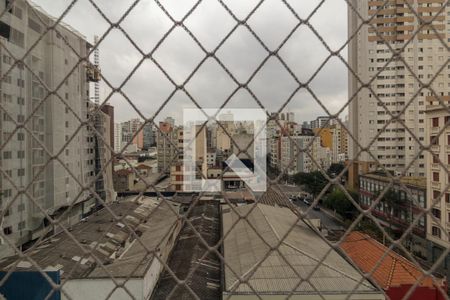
point(293, 160)
point(400, 205)
point(167, 146)
point(53, 125)
point(438, 179)
point(394, 26)
point(149, 136)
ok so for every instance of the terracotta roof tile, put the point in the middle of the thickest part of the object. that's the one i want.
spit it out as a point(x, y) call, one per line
point(393, 270)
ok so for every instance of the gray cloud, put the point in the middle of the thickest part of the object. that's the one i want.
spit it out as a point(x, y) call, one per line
point(241, 53)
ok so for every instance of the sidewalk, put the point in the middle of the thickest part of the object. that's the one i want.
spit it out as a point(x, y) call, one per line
point(332, 215)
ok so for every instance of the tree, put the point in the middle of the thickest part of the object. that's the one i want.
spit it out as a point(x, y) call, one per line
point(337, 200)
point(313, 182)
point(335, 169)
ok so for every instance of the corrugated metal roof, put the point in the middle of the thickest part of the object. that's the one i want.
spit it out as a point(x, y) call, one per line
point(300, 252)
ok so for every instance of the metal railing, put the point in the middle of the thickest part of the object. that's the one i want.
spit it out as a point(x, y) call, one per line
point(17, 190)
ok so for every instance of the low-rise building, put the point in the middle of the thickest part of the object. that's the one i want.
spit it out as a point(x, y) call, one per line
point(106, 247)
point(124, 180)
point(437, 170)
point(401, 204)
point(190, 257)
point(395, 274)
point(276, 274)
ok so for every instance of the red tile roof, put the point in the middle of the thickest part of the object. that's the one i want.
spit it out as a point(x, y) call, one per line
point(393, 271)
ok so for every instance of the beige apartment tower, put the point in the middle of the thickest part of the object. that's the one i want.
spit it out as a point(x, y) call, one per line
point(395, 25)
point(51, 125)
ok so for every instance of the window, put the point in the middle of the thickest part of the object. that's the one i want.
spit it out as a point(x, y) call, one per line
point(21, 225)
point(436, 176)
point(435, 159)
point(7, 193)
point(436, 195)
point(448, 140)
point(7, 155)
point(436, 212)
point(7, 59)
point(20, 136)
point(7, 98)
point(34, 25)
point(20, 154)
point(436, 231)
point(7, 230)
point(17, 37)
point(435, 122)
point(434, 140)
point(20, 172)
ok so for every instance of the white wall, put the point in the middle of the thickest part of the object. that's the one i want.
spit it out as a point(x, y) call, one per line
point(94, 289)
point(99, 288)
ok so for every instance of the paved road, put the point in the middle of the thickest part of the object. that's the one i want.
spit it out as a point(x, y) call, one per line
point(327, 221)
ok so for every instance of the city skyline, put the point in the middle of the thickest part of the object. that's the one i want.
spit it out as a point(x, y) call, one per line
point(270, 200)
point(210, 86)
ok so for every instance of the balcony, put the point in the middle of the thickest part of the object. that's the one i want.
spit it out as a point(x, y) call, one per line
point(436, 184)
point(435, 148)
point(435, 129)
point(435, 166)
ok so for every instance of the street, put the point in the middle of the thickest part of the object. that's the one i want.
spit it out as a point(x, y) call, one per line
point(327, 221)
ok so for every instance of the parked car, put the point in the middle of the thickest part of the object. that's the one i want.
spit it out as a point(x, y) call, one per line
point(306, 201)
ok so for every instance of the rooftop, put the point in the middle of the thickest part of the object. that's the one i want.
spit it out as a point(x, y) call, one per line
point(61, 23)
point(189, 254)
point(420, 182)
point(107, 241)
point(393, 271)
point(274, 197)
point(298, 255)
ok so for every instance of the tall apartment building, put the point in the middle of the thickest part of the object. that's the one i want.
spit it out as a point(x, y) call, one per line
point(167, 141)
point(320, 122)
point(292, 160)
point(51, 126)
point(109, 110)
point(117, 137)
point(148, 136)
point(395, 25)
point(438, 178)
point(100, 140)
point(130, 133)
point(339, 143)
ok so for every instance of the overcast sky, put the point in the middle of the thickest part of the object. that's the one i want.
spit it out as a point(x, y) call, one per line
point(148, 88)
